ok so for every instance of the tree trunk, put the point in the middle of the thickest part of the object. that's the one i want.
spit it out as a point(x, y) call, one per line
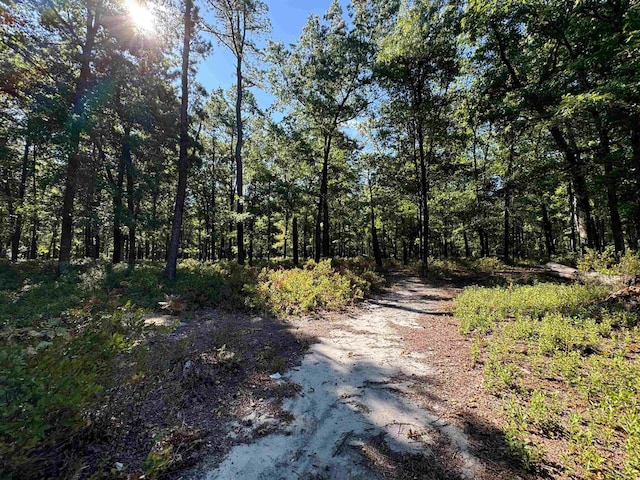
point(286, 235)
point(118, 206)
point(212, 218)
point(238, 156)
point(296, 260)
point(33, 250)
point(610, 182)
point(17, 230)
point(507, 209)
point(131, 206)
point(573, 239)
point(424, 186)
point(548, 231)
point(635, 160)
point(183, 161)
point(405, 252)
point(73, 162)
point(467, 250)
point(374, 233)
point(252, 226)
point(322, 243)
point(269, 235)
point(576, 166)
point(54, 240)
point(304, 238)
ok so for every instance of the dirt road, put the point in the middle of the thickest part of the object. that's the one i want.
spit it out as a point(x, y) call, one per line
point(369, 406)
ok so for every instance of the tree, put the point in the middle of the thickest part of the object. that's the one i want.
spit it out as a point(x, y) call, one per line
point(324, 78)
point(183, 159)
point(418, 61)
point(237, 20)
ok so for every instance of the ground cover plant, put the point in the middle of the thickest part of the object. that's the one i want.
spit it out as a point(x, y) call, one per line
point(76, 350)
point(608, 262)
point(566, 365)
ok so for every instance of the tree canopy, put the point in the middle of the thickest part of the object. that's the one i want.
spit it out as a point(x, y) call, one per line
point(400, 129)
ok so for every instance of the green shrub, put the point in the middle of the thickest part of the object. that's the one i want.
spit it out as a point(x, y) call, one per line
point(487, 265)
point(310, 288)
point(607, 262)
point(479, 308)
point(566, 334)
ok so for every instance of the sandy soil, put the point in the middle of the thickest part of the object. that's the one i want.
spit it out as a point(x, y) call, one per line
point(387, 392)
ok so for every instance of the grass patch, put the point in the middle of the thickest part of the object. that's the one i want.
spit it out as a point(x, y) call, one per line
point(567, 367)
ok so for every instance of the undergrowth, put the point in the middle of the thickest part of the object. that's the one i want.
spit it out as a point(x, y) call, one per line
point(566, 366)
point(316, 285)
point(608, 262)
point(61, 335)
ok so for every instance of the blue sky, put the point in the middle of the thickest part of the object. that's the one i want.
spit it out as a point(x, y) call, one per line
point(287, 19)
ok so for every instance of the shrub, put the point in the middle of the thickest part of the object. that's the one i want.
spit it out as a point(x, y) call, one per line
point(487, 264)
point(479, 308)
point(312, 287)
point(48, 385)
point(568, 348)
point(608, 263)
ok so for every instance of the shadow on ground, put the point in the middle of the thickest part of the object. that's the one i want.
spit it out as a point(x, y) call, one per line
point(355, 415)
point(172, 397)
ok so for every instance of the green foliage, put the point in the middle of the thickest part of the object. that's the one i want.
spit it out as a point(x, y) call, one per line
point(527, 453)
point(32, 293)
point(157, 462)
point(62, 335)
point(563, 333)
point(317, 285)
point(608, 262)
point(478, 309)
point(49, 385)
point(487, 265)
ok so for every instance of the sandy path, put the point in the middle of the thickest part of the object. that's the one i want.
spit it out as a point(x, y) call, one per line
point(353, 391)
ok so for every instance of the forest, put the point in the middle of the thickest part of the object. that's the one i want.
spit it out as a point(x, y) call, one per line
point(460, 144)
point(439, 129)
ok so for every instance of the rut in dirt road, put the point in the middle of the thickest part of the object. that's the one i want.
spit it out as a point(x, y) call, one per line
point(352, 415)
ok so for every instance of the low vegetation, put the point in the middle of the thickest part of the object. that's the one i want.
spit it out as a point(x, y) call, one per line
point(608, 262)
point(64, 337)
point(566, 365)
point(317, 285)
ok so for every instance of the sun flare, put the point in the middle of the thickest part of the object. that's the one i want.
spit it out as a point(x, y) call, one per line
point(141, 15)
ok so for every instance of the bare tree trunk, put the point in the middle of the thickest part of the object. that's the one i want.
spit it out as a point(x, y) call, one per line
point(424, 183)
point(269, 235)
point(581, 192)
point(132, 212)
point(635, 158)
point(238, 156)
point(33, 251)
point(322, 243)
point(507, 208)
point(73, 162)
point(467, 250)
point(17, 230)
point(295, 241)
point(548, 231)
point(212, 219)
point(573, 238)
point(183, 161)
point(610, 183)
point(118, 185)
point(374, 233)
point(304, 238)
point(252, 226)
